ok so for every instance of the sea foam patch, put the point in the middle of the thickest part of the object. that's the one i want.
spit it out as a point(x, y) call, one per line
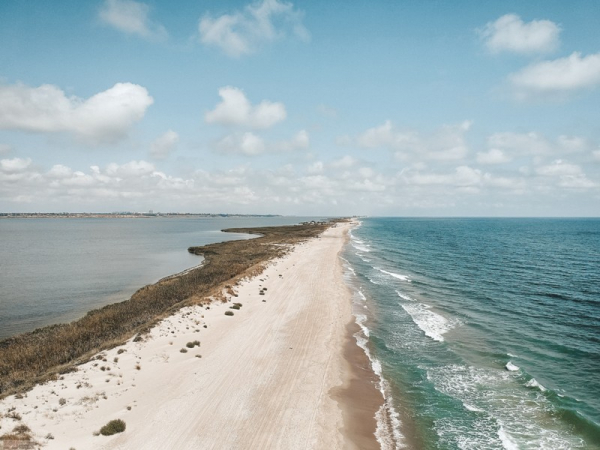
point(394, 275)
point(434, 325)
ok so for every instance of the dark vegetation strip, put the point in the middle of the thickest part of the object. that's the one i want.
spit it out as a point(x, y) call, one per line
point(45, 353)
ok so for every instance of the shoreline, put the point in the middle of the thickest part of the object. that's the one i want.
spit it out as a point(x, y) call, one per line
point(283, 372)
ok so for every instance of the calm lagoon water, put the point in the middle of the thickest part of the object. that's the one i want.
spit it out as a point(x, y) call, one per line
point(55, 270)
point(486, 331)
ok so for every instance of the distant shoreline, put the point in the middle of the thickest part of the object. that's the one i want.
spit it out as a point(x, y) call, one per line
point(123, 215)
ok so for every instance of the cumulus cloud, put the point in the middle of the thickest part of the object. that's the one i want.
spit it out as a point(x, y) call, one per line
point(246, 143)
point(243, 32)
point(559, 76)
point(506, 146)
point(131, 17)
point(493, 156)
point(250, 144)
point(345, 162)
point(236, 109)
point(447, 143)
point(105, 117)
point(5, 148)
point(509, 33)
point(14, 164)
point(568, 175)
point(318, 188)
point(164, 145)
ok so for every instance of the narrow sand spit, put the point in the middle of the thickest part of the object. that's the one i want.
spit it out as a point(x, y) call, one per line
point(272, 376)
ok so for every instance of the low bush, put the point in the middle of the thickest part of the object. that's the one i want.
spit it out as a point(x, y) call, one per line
point(113, 427)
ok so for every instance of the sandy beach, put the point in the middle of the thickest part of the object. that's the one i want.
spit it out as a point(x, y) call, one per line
point(282, 372)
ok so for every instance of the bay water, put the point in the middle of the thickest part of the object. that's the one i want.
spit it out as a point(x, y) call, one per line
point(54, 270)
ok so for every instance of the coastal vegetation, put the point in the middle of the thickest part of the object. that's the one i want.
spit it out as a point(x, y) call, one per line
point(113, 427)
point(48, 352)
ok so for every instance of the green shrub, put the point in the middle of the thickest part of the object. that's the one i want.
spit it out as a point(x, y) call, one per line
point(229, 313)
point(113, 427)
point(193, 344)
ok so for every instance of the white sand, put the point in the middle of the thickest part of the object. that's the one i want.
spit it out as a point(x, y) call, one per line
point(263, 381)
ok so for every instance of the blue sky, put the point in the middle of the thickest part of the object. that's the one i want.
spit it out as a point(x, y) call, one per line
point(462, 108)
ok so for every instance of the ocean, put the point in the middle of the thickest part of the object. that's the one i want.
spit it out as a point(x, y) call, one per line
point(55, 270)
point(485, 332)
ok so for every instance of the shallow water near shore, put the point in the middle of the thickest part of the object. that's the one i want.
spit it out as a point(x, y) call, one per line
point(55, 270)
point(486, 331)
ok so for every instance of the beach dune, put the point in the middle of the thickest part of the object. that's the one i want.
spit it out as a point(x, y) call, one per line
point(274, 375)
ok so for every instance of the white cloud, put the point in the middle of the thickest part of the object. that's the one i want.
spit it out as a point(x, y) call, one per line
point(131, 17)
point(247, 143)
point(104, 117)
point(509, 145)
point(14, 164)
point(235, 109)
point(130, 169)
point(345, 162)
point(251, 144)
point(596, 155)
point(509, 33)
point(493, 156)
point(243, 32)
point(316, 167)
point(447, 143)
point(164, 145)
point(568, 175)
point(300, 141)
point(520, 143)
point(5, 148)
point(559, 168)
point(559, 76)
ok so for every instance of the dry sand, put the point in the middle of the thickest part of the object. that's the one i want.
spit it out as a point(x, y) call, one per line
point(282, 373)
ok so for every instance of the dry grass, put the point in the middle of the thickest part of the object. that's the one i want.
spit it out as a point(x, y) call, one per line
point(45, 353)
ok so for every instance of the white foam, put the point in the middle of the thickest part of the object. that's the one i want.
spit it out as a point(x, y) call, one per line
point(511, 367)
point(361, 256)
point(533, 383)
point(405, 297)
point(507, 442)
point(395, 275)
point(433, 325)
point(472, 408)
point(360, 247)
point(360, 320)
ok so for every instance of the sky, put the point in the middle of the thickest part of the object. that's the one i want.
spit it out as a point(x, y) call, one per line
point(380, 107)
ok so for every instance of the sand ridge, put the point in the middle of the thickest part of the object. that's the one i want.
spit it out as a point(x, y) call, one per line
point(264, 379)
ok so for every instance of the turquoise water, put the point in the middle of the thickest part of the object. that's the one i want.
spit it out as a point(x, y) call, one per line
point(486, 331)
point(55, 270)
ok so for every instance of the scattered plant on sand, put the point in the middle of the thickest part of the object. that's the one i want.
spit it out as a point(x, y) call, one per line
point(113, 427)
point(229, 313)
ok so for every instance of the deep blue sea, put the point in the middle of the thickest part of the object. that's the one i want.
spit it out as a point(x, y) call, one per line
point(55, 270)
point(486, 331)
